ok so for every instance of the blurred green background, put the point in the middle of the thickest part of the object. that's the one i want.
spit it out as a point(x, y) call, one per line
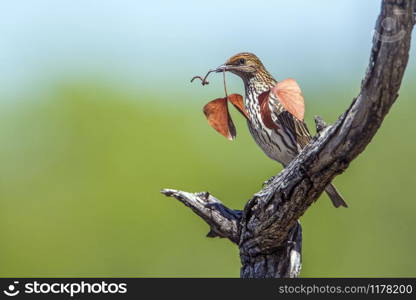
point(97, 115)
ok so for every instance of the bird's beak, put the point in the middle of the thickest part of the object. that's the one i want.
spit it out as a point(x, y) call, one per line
point(221, 68)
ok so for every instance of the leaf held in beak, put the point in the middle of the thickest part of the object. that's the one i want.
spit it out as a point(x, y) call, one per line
point(218, 116)
point(237, 101)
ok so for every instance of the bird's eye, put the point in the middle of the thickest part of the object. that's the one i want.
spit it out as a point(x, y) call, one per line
point(241, 61)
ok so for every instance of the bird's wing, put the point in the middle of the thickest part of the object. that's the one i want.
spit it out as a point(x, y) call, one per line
point(218, 116)
point(295, 126)
point(285, 108)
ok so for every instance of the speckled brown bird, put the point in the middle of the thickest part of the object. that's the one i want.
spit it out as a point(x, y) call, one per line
point(274, 111)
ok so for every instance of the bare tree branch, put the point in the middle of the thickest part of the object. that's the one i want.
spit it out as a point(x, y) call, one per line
point(267, 231)
point(320, 124)
point(222, 220)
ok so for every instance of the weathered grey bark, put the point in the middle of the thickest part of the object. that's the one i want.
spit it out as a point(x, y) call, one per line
point(267, 231)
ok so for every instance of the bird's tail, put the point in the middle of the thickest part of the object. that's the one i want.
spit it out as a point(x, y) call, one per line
point(335, 196)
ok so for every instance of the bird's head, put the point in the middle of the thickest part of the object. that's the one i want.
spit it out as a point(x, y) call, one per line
point(243, 64)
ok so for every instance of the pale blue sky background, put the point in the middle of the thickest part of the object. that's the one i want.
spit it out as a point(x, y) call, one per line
point(143, 44)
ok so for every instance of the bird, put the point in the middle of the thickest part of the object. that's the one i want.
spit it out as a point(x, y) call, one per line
point(274, 111)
